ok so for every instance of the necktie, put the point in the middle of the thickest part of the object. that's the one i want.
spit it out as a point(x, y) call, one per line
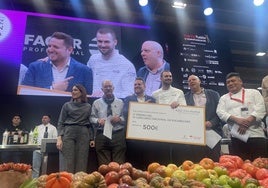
point(46, 133)
point(109, 110)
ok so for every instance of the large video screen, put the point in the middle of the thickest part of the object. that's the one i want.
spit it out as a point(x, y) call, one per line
point(24, 42)
point(24, 38)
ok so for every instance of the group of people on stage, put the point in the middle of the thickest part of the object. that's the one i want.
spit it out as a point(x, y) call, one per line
point(109, 76)
point(82, 125)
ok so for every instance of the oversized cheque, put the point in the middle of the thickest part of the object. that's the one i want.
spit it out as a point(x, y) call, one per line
point(157, 122)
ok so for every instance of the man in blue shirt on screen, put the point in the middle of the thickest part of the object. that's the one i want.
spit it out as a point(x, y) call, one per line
point(60, 72)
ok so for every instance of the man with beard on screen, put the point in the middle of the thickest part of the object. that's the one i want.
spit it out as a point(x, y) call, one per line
point(110, 65)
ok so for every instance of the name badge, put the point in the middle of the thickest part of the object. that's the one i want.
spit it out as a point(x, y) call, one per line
point(244, 112)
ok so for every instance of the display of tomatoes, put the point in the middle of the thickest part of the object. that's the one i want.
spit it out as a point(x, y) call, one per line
point(229, 171)
point(6, 166)
point(21, 167)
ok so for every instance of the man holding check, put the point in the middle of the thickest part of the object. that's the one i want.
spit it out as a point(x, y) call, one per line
point(207, 98)
point(173, 97)
point(142, 147)
point(168, 94)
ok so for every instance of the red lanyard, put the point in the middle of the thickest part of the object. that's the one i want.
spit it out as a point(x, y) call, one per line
point(239, 100)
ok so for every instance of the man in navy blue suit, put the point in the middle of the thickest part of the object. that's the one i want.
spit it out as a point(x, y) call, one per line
point(142, 147)
point(138, 96)
point(59, 71)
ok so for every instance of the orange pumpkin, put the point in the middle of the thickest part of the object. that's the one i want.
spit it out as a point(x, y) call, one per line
point(59, 180)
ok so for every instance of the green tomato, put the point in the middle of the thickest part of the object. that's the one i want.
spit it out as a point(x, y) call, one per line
point(180, 175)
point(207, 182)
point(252, 180)
point(221, 170)
point(223, 179)
point(201, 174)
point(235, 182)
point(215, 181)
point(251, 185)
point(226, 186)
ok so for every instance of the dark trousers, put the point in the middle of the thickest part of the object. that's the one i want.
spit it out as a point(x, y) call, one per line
point(142, 153)
point(75, 148)
point(195, 153)
point(252, 149)
point(111, 149)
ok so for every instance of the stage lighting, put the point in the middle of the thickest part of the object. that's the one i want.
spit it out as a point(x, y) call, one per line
point(258, 2)
point(260, 54)
point(143, 2)
point(208, 11)
point(179, 4)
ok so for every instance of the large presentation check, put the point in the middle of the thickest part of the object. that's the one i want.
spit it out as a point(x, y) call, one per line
point(161, 123)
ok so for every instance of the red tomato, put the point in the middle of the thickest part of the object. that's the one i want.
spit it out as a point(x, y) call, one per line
point(126, 179)
point(207, 163)
point(229, 164)
point(244, 179)
point(264, 182)
point(239, 173)
point(111, 177)
point(260, 162)
point(113, 185)
point(6, 166)
point(114, 166)
point(123, 172)
point(262, 173)
point(104, 169)
point(187, 165)
point(127, 166)
point(250, 168)
point(238, 160)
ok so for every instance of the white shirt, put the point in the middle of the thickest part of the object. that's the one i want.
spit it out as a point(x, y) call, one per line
point(169, 96)
point(59, 75)
point(253, 101)
point(153, 81)
point(118, 69)
point(52, 132)
point(200, 99)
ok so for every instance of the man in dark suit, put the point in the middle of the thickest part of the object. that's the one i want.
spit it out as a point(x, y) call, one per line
point(198, 96)
point(59, 71)
point(142, 147)
point(138, 96)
